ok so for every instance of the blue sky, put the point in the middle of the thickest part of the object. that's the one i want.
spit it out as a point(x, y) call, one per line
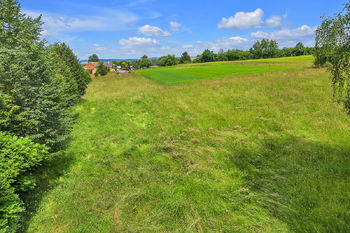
point(129, 29)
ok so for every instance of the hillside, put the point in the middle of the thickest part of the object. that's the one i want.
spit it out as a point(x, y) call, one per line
point(257, 152)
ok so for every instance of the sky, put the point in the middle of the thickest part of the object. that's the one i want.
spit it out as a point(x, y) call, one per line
point(124, 29)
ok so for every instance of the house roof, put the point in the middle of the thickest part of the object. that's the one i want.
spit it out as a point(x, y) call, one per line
point(90, 66)
point(109, 64)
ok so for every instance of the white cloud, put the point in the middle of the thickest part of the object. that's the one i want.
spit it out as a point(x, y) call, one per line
point(187, 46)
point(274, 21)
point(55, 24)
point(175, 26)
point(149, 30)
point(243, 20)
point(287, 34)
point(99, 47)
point(137, 42)
point(135, 47)
point(248, 20)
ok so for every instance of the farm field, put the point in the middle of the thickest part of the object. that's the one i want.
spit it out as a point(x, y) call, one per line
point(261, 151)
point(194, 72)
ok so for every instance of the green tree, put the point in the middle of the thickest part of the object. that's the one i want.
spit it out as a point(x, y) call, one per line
point(81, 77)
point(125, 65)
point(116, 64)
point(169, 60)
point(333, 46)
point(264, 49)
point(17, 29)
point(299, 49)
point(207, 56)
point(101, 70)
point(67, 84)
point(17, 156)
point(145, 62)
point(185, 58)
point(94, 58)
point(257, 50)
point(27, 77)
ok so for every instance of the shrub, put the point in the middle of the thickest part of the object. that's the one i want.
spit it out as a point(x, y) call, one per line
point(33, 93)
point(101, 70)
point(126, 65)
point(29, 83)
point(17, 157)
point(82, 78)
point(169, 60)
point(67, 83)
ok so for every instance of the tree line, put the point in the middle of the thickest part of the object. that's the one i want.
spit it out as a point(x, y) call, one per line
point(261, 49)
point(39, 84)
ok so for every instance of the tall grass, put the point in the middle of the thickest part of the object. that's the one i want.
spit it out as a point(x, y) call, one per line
point(259, 153)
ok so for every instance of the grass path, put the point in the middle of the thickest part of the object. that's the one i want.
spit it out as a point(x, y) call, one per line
point(258, 153)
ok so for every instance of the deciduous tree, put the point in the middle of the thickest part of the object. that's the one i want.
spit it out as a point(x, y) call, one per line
point(94, 58)
point(333, 47)
point(185, 58)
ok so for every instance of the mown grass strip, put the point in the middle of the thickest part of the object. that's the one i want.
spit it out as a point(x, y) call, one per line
point(195, 72)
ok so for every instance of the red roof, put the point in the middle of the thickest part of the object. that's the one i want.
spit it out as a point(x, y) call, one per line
point(89, 66)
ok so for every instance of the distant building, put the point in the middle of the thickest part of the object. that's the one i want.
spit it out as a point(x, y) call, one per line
point(92, 66)
point(123, 71)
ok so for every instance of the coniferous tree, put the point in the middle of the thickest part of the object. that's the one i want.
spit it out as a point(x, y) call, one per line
point(82, 78)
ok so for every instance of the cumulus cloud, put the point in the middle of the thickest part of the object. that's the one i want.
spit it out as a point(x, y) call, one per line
point(286, 34)
point(274, 21)
point(175, 26)
point(149, 30)
point(137, 42)
point(248, 20)
point(243, 20)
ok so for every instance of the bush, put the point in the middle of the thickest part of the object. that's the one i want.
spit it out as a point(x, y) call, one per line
point(17, 157)
point(101, 70)
point(67, 83)
point(169, 60)
point(38, 84)
point(34, 95)
point(145, 62)
point(81, 77)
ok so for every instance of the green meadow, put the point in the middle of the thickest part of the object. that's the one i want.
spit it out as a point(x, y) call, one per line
point(195, 72)
point(245, 148)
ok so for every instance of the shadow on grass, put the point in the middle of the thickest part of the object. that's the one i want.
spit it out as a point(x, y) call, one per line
point(302, 182)
point(47, 177)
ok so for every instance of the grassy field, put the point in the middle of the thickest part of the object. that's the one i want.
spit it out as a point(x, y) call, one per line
point(195, 72)
point(264, 152)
